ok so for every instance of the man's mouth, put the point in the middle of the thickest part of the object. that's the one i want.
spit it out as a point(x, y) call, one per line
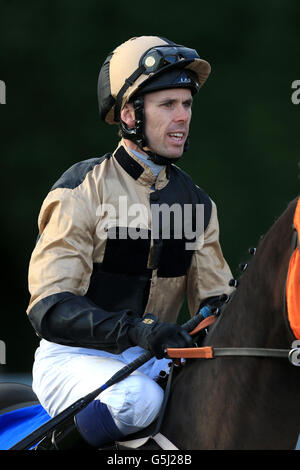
point(176, 136)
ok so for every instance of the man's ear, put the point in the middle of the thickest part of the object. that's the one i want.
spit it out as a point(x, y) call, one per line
point(128, 115)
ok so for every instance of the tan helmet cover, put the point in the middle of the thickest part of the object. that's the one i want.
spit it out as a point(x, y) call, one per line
point(125, 60)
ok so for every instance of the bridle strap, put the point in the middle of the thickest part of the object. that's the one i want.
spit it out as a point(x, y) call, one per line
point(208, 352)
point(254, 352)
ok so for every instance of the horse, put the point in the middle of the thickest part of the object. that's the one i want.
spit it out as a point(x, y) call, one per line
point(240, 403)
point(244, 403)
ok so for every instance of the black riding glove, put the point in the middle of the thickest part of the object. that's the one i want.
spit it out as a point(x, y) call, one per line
point(156, 336)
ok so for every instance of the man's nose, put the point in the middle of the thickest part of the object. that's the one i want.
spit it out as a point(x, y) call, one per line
point(181, 113)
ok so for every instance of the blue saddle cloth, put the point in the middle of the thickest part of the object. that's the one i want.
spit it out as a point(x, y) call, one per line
point(17, 424)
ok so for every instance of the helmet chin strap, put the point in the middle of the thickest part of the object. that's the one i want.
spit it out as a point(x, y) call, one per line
point(138, 136)
point(159, 159)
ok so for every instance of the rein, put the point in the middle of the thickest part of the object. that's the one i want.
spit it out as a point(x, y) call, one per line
point(208, 352)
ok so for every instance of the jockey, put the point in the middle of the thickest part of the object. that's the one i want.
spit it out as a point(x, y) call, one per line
point(122, 240)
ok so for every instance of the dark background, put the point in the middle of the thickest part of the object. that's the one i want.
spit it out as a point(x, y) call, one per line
point(244, 135)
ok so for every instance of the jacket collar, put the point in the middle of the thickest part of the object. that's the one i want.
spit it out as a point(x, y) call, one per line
point(137, 169)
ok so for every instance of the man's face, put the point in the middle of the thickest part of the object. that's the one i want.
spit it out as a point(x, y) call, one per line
point(168, 115)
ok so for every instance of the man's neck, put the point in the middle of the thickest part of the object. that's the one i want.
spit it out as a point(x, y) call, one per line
point(133, 146)
point(157, 159)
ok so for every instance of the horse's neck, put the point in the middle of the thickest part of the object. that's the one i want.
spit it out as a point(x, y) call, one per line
point(248, 321)
point(254, 317)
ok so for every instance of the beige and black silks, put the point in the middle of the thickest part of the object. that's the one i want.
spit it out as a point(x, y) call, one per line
point(92, 275)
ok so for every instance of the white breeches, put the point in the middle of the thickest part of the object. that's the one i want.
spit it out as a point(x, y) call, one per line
point(63, 374)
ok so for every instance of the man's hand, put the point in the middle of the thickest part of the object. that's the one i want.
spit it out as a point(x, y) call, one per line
point(157, 336)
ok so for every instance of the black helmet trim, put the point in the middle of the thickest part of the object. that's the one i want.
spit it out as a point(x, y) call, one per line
point(174, 78)
point(128, 83)
point(104, 87)
point(155, 61)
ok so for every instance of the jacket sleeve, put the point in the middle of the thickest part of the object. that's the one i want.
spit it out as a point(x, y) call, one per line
point(59, 276)
point(209, 274)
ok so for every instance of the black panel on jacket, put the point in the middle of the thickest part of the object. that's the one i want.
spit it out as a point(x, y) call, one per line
point(131, 166)
point(115, 291)
point(122, 280)
point(75, 175)
point(172, 255)
point(127, 251)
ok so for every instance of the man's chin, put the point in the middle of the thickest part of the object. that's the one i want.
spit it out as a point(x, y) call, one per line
point(174, 154)
point(169, 153)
